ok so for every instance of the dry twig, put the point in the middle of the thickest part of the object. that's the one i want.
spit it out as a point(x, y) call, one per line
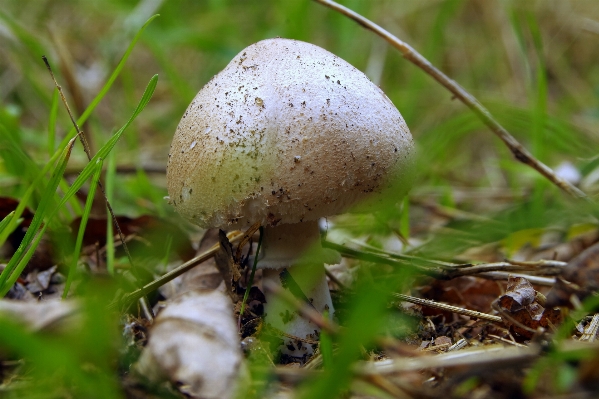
point(538, 280)
point(449, 308)
point(520, 153)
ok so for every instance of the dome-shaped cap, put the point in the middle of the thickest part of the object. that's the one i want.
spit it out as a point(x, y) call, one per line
point(287, 133)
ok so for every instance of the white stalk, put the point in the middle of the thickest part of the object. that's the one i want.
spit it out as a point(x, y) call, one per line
point(296, 248)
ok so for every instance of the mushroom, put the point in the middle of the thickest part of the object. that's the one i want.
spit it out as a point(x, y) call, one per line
point(286, 134)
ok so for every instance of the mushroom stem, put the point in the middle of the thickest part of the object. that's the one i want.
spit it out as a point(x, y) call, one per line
point(295, 248)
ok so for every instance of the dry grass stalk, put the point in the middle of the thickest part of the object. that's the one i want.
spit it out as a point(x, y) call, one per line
point(449, 308)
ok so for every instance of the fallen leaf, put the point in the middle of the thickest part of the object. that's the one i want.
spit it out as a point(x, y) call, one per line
point(520, 293)
point(521, 308)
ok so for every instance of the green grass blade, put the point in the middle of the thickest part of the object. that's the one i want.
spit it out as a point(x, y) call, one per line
point(6, 221)
point(19, 211)
point(105, 150)
point(38, 218)
point(22, 262)
point(110, 182)
point(103, 153)
point(52, 124)
point(84, 218)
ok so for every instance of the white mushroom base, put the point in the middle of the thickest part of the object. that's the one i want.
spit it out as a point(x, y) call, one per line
point(296, 248)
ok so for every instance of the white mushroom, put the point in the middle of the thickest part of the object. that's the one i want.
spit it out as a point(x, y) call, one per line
point(286, 134)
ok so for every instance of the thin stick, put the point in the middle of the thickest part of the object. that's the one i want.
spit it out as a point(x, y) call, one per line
point(538, 280)
point(450, 308)
point(144, 304)
point(507, 341)
point(520, 153)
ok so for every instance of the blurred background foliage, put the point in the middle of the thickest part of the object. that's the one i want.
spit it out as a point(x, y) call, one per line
point(533, 64)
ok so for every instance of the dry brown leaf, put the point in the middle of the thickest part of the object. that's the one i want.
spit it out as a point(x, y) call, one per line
point(521, 309)
point(519, 294)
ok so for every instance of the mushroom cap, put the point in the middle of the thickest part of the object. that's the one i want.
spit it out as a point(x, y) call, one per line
point(286, 133)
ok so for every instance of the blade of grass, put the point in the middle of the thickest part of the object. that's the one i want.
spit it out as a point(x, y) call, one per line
point(11, 269)
point(19, 211)
point(130, 297)
point(25, 200)
point(110, 177)
point(52, 124)
point(84, 218)
point(4, 223)
point(365, 322)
